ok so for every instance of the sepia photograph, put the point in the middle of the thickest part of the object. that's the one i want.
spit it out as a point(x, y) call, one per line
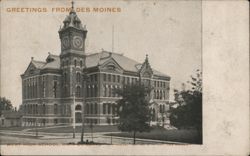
point(87, 73)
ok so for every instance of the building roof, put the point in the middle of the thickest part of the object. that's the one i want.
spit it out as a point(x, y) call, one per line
point(97, 59)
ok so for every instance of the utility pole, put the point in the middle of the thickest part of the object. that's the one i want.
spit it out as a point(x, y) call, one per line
point(85, 79)
point(74, 116)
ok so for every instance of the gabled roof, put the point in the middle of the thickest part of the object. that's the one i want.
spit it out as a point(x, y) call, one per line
point(38, 64)
point(97, 59)
point(52, 62)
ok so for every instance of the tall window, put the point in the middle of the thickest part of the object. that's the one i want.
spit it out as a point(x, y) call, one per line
point(109, 77)
point(43, 86)
point(81, 63)
point(118, 78)
point(109, 108)
point(110, 91)
point(55, 89)
point(78, 91)
point(55, 109)
point(104, 108)
point(91, 108)
point(113, 78)
point(44, 109)
point(105, 90)
point(104, 77)
point(75, 63)
point(87, 108)
point(78, 77)
point(95, 108)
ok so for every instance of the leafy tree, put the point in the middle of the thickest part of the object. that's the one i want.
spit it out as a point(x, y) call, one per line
point(5, 104)
point(189, 112)
point(133, 109)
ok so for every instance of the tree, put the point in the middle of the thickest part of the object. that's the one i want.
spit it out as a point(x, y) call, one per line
point(133, 109)
point(5, 104)
point(189, 112)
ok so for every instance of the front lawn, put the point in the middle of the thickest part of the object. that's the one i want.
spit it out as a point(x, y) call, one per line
point(185, 136)
point(78, 129)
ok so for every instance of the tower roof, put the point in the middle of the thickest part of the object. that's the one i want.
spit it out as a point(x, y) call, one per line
point(72, 20)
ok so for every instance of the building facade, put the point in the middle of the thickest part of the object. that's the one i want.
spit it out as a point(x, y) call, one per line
point(55, 92)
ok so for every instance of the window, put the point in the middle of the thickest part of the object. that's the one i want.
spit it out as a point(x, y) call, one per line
point(55, 121)
point(104, 108)
point(118, 78)
point(75, 63)
point(81, 63)
point(109, 77)
point(55, 89)
point(95, 111)
point(78, 107)
point(87, 108)
point(78, 91)
point(105, 91)
point(2, 121)
point(44, 109)
point(78, 77)
point(109, 108)
point(95, 77)
point(55, 109)
point(67, 62)
point(109, 91)
point(104, 77)
point(91, 108)
point(127, 80)
point(113, 78)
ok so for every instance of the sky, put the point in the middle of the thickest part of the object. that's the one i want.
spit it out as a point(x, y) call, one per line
point(168, 31)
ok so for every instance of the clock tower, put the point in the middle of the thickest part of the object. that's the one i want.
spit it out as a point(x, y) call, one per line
point(72, 57)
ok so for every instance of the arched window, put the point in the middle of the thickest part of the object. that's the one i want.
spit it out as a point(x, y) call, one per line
point(78, 107)
point(78, 91)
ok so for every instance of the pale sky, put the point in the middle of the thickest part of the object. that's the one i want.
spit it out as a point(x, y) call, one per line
point(168, 31)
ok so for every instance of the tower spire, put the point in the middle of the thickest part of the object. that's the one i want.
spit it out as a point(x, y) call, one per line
point(72, 7)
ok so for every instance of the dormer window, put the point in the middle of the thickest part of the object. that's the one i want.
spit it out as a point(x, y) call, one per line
point(31, 71)
point(111, 67)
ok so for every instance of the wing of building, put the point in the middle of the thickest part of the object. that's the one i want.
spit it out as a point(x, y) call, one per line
point(53, 90)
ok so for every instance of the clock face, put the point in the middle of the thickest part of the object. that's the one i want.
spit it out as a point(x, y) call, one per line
point(77, 42)
point(65, 42)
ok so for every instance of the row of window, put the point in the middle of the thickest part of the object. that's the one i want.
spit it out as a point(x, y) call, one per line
point(159, 94)
point(109, 90)
point(117, 78)
point(159, 84)
point(109, 108)
point(42, 109)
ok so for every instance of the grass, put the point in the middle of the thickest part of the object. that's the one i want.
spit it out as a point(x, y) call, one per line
point(14, 128)
point(78, 129)
point(185, 136)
